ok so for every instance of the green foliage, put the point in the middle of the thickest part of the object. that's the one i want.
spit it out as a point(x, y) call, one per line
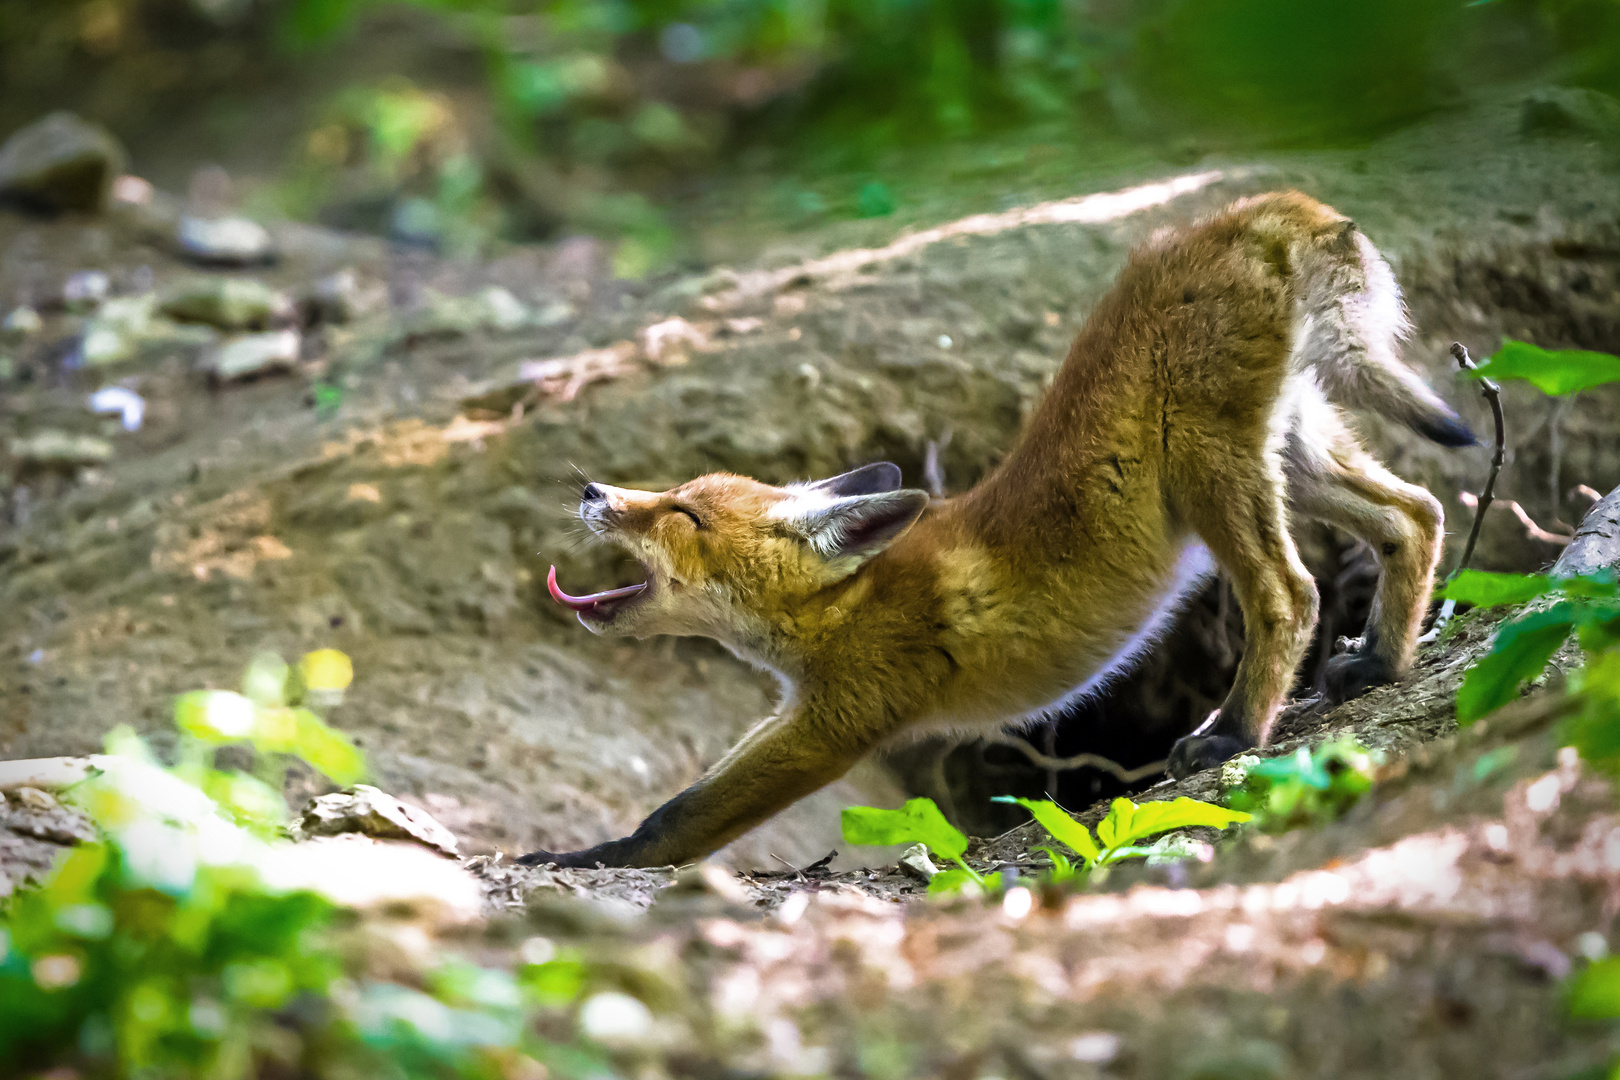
point(1482, 588)
point(1564, 371)
point(1127, 822)
point(1595, 992)
point(918, 822)
point(1306, 787)
point(168, 948)
point(1589, 606)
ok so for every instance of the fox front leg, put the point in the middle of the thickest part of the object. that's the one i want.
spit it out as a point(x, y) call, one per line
point(779, 762)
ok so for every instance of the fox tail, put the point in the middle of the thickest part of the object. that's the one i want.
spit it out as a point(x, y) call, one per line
point(1351, 323)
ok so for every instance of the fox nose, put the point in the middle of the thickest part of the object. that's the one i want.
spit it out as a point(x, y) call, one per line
point(592, 493)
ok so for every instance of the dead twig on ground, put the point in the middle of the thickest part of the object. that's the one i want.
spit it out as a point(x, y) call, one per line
point(1079, 761)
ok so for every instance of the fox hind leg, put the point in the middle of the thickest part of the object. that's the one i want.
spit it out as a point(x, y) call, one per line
point(1246, 528)
point(1331, 478)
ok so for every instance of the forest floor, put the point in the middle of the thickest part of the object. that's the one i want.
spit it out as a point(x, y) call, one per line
point(399, 492)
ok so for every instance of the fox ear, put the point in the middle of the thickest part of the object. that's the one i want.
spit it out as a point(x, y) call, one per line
point(866, 480)
point(859, 526)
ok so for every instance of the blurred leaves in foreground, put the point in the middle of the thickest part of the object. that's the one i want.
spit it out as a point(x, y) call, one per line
point(191, 940)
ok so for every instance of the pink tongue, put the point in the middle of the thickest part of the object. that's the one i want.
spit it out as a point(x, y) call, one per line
point(589, 601)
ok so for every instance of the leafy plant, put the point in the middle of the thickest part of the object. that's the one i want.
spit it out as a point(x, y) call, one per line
point(918, 822)
point(1117, 834)
point(1588, 606)
point(1305, 787)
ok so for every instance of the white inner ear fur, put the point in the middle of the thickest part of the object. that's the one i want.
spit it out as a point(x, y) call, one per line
point(827, 522)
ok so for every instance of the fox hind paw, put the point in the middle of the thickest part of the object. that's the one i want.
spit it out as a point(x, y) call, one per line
point(1353, 674)
point(1195, 753)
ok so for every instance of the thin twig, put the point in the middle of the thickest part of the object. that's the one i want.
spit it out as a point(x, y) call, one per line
point(1079, 761)
point(1493, 394)
point(1531, 529)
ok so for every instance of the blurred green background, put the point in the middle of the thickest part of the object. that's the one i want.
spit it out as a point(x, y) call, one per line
point(459, 123)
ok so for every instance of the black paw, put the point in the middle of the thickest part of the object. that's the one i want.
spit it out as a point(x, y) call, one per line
point(1195, 753)
point(1353, 674)
point(587, 859)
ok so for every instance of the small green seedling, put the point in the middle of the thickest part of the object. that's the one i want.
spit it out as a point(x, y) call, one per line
point(1305, 787)
point(918, 822)
point(1117, 834)
point(1589, 606)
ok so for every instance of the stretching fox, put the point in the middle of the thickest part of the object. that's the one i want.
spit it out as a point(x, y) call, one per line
point(1197, 409)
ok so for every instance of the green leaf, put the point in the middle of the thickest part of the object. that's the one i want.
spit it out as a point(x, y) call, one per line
point(953, 880)
point(265, 680)
point(1596, 992)
point(1565, 371)
point(1482, 588)
point(216, 716)
point(1127, 822)
point(1056, 820)
point(919, 821)
point(1595, 730)
point(1302, 765)
point(1521, 651)
point(326, 749)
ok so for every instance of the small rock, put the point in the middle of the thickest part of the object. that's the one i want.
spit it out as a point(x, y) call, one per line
point(374, 813)
point(710, 878)
point(35, 813)
point(228, 303)
point(114, 334)
point(122, 402)
point(916, 862)
point(254, 354)
point(616, 1020)
point(343, 297)
point(1565, 110)
point(20, 323)
point(225, 241)
point(506, 312)
point(60, 449)
point(60, 163)
point(86, 290)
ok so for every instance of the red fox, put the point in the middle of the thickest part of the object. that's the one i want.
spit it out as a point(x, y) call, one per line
point(1198, 409)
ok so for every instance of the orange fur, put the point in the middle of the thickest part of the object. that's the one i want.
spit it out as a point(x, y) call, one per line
point(1191, 413)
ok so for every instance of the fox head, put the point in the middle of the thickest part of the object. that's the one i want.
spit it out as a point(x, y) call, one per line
point(731, 558)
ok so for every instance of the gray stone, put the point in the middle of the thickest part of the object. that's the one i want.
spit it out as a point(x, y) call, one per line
point(916, 862)
point(85, 290)
point(60, 163)
point(228, 303)
point(344, 297)
point(20, 323)
point(60, 449)
point(254, 354)
point(225, 241)
point(374, 813)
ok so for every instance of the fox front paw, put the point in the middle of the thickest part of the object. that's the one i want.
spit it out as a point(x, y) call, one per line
point(588, 859)
point(1195, 753)
point(1353, 674)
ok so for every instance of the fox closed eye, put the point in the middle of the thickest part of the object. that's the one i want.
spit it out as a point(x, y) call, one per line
point(690, 514)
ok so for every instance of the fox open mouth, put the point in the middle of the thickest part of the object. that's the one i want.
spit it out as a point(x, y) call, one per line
point(598, 607)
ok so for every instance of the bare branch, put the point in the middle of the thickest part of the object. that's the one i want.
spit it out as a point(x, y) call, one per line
point(1079, 761)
